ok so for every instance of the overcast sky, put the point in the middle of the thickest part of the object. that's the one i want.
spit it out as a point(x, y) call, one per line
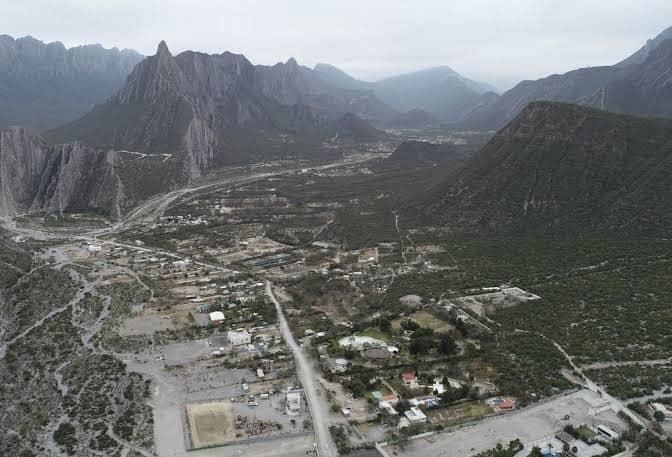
point(500, 42)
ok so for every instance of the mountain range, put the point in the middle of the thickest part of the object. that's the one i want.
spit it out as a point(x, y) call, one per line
point(207, 110)
point(640, 84)
point(441, 92)
point(560, 166)
point(45, 85)
point(178, 116)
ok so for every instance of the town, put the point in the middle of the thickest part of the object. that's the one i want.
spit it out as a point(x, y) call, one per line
point(201, 282)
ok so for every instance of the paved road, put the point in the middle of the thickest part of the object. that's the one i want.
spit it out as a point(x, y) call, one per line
point(307, 376)
point(154, 207)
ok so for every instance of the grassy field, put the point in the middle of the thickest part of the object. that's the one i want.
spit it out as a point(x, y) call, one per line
point(456, 414)
point(375, 333)
point(428, 320)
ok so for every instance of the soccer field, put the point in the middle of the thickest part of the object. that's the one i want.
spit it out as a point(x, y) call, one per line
point(210, 424)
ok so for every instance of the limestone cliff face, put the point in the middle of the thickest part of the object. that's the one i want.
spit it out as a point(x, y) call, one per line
point(78, 178)
point(35, 177)
point(23, 158)
point(200, 144)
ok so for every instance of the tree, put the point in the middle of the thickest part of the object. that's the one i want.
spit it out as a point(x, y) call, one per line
point(536, 452)
point(447, 344)
point(461, 327)
point(384, 325)
point(420, 345)
point(659, 416)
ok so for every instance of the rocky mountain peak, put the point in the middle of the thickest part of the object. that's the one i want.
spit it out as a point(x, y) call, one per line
point(162, 49)
point(643, 53)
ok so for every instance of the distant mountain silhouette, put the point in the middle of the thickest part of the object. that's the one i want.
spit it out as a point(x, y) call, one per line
point(640, 84)
point(439, 91)
point(44, 85)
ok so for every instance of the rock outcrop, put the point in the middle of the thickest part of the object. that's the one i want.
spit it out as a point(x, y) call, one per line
point(38, 178)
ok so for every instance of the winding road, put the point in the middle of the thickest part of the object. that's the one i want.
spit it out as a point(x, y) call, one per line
point(307, 376)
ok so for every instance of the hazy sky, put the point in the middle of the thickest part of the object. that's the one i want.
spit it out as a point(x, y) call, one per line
point(500, 42)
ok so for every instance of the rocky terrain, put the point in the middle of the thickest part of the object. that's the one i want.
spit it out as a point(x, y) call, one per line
point(44, 85)
point(36, 177)
point(62, 394)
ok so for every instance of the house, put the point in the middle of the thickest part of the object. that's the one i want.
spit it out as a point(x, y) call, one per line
point(415, 416)
point(293, 403)
point(507, 403)
point(216, 317)
point(659, 407)
point(565, 437)
point(430, 401)
point(359, 343)
point(387, 407)
point(607, 432)
point(94, 248)
point(239, 338)
point(501, 403)
point(376, 354)
point(410, 380)
point(260, 373)
point(392, 399)
point(202, 307)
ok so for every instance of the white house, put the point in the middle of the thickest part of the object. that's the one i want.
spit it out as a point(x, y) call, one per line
point(415, 416)
point(358, 343)
point(94, 248)
point(655, 407)
point(293, 405)
point(238, 338)
point(387, 406)
point(216, 317)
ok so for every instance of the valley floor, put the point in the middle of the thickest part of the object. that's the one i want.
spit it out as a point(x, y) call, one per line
point(252, 294)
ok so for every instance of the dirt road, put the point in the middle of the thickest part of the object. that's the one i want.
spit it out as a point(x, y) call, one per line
point(307, 376)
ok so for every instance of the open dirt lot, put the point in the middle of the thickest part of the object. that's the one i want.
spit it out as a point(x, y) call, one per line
point(210, 423)
point(145, 324)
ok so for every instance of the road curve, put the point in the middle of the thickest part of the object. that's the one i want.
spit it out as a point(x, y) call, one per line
point(307, 376)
